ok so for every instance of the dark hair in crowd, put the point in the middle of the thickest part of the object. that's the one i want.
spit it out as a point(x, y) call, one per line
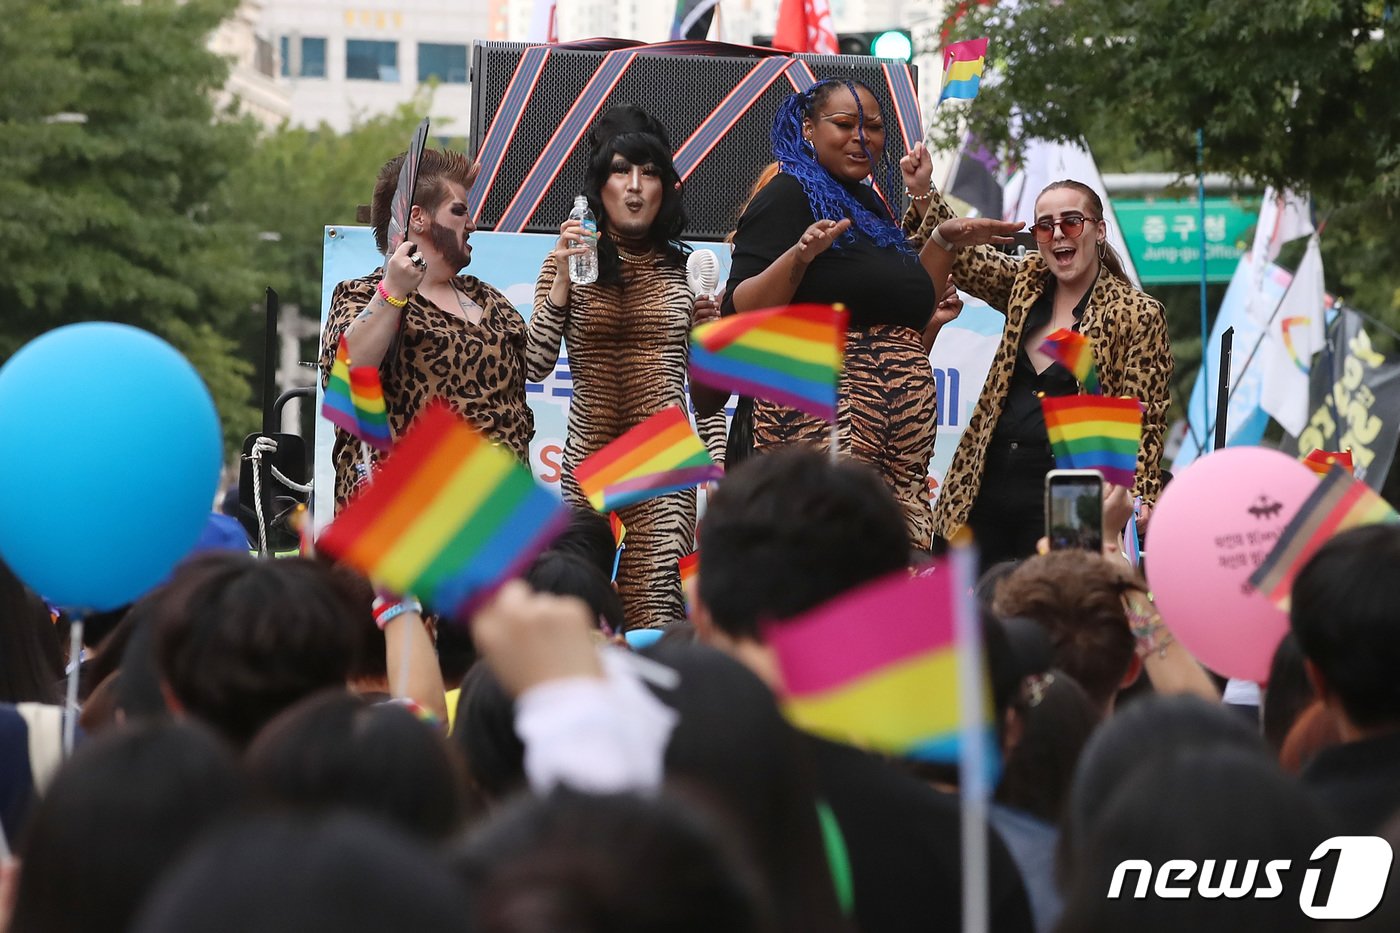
point(608, 864)
point(334, 751)
point(1107, 254)
point(588, 536)
point(484, 730)
point(1287, 693)
point(124, 808)
point(638, 137)
point(564, 574)
point(790, 530)
point(1228, 810)
point(31, 659)
point(239, 639)
point(1343, 616)
point(827, 197)
point(437, 168)
point(1144, 734)
point(1079, 602)
point(345, 874)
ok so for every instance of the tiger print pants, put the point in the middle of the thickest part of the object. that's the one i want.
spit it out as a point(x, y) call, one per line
point(887, 412)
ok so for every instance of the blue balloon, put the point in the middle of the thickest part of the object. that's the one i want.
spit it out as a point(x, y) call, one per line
point(112, 456)
point(639, 638)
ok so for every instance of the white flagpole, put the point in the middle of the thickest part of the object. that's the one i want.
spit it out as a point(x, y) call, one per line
point(973, 791)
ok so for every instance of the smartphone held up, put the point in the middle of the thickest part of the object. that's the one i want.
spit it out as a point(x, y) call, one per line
point(1074, 509)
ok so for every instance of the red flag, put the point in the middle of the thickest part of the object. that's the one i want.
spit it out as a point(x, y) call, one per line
point(805, 26)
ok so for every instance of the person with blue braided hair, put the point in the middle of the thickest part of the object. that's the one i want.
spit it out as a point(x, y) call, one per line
point(820, 233)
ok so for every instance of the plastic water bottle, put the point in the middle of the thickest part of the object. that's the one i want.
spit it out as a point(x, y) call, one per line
point(583, 268)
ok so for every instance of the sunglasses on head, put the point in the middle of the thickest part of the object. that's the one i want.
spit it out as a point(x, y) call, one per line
point(1071, 224)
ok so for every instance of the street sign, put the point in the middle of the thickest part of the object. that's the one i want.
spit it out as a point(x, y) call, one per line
point(1164, 237)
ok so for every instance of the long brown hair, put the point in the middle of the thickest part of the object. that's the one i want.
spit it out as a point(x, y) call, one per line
point(1107, 254)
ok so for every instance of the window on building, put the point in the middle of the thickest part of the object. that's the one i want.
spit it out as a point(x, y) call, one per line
point(446, 63)
point(370, 60)
point(313, 57)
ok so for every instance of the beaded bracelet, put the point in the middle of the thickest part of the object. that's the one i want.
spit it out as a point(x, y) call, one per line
point(386, 610)
point(927, 195)
point(384, 293)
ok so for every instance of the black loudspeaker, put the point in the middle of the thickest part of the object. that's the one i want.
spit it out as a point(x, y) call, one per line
point(532, 108)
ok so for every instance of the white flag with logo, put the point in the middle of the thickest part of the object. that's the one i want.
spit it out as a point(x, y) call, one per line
point(1283, 216)
point(1295, 334)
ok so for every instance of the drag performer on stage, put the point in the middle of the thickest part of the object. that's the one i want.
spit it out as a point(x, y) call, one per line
point(995, 483)
point(818, 233)
point(432, 332)
point(628, 338)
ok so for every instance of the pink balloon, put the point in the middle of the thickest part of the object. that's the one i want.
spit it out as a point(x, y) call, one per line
point(1215, 524)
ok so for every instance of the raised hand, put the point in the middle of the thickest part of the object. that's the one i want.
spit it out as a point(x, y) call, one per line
point(978, 231)
point(404, 271)
point(917, 169)
point(818, 238)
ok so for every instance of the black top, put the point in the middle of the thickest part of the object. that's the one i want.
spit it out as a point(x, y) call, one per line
point(904, 841)
point(1359, 782)
point(1022, 419)
point(878, 285)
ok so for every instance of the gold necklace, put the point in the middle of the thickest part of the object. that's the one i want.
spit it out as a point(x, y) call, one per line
point(636, 259)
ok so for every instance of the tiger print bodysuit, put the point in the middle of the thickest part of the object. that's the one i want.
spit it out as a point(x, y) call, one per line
point(628, 349)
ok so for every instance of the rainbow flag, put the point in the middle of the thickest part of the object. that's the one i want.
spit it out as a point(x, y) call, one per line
point(689, 566)
point(963, 63)
point(789, 355)
point(448, 517)
point(1073, 351)
point(1095, 432)
point(1322, 461)
point(355, 400)
point(878, 668)
point(660, 455)
point(1338, 503)
point(619, 533)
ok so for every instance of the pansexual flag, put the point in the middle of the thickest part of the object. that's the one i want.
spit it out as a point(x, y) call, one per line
point(689, 567)
point(355, 400)
point(1322, 461)
point(1338, 503)
point(660, 455)
point(448, 517)
point(878, 668)
point(789, 355)
point(962, 69)
point(1095, 432)
point(1073, 351)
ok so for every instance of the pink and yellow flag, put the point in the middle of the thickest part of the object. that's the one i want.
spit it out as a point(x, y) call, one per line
point(1338, 503)
point(448, 517)
point(662, 454)
point(878, 667)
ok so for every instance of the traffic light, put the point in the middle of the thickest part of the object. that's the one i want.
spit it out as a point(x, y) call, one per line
point(883, 43)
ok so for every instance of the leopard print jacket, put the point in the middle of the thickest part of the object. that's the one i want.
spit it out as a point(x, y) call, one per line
point(1128, 332)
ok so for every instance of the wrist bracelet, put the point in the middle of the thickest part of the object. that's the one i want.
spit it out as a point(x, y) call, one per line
point(1148, 629)
point(386, 610)
point(384, 293)
point(942, 243)
point(926, 196)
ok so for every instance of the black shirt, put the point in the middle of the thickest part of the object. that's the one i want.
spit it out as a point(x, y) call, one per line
point(1359, 782)
point(904, 840)
point(877, 284)
point(1022, 419)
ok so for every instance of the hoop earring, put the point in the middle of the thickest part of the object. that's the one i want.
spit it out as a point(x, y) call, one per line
point(809, 148)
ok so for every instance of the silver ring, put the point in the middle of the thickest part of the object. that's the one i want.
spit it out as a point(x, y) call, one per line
point(419, 261)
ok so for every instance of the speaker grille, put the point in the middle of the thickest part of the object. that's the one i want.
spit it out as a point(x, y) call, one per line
point(680, 91)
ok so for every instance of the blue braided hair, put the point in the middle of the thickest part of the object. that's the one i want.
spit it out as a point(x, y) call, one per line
point(827, 197)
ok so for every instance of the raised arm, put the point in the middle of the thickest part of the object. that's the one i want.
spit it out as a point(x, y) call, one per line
point(550, 316)
point(1147, 371)
point(981, 270)
point(376, 323)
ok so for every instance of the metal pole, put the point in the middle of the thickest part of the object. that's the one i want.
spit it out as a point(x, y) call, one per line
point(1222, 395)
point(1205, 324)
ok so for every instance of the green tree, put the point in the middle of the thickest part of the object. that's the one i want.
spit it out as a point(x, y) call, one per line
point(114, 195)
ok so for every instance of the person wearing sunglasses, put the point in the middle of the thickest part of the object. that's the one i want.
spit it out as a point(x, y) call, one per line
point(1074, 280)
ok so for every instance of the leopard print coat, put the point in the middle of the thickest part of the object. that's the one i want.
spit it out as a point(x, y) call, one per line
point(1125, 326)
point(478, 369)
